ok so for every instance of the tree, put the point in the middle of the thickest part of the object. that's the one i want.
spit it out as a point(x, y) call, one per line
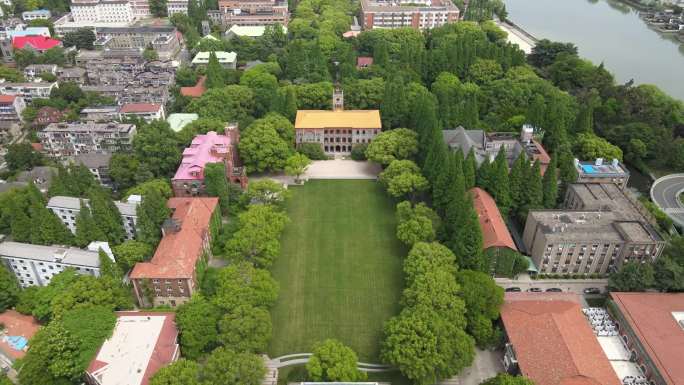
point(332, 361)
point(87, 230)
point(483, 300)
point(123, 169)
point(227, 367)
point(415, 224)
point(268, 192)
point(152, 212)
point(499, 185)
point(397, 144)
point(228, 104)
point(246, 329)
point(507, 379)
point(21, 156)
point(217, 184)
point(285, 102)
point(258, 239)
point(197, 322)
point(313, 151)
point(9, 289)
point(243, 284)
point(131, 252)
point(262, 149)
point(181, 372)
point(11, 74)
point(158, 8)
point(264, 85)
point(483, 71)
point(470, 170)
point(52, 359)
point(467, 244)
point(590, 146)
point(106, 216)
point(550, 185)
point(214, 73)
point(425, 257)
point(545, 52)
point(156, 148)
point(160, 185)
point(632, 276)
point(402, 178)
point(47, 229)
point(82, 38)
point(296, 165)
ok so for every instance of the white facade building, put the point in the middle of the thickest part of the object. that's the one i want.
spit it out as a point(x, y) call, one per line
point(176, 6)
point(102, 11)
point(28, 91)
point(67, 209)
point(35, 265)
point(39, 14)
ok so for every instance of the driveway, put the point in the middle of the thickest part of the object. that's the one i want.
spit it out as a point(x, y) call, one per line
point(665, 193)
point(486, 365)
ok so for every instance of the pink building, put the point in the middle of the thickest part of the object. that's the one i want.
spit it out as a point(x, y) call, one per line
point(209, 148)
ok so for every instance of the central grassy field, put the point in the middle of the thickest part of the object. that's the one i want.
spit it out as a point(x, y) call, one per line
point(339, 270)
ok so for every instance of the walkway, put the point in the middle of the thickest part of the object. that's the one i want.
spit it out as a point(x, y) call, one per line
point(487, 364)
point(665, 194)
point(576, 286)
point(518, 36)
point(303, 358)
point(342, 169)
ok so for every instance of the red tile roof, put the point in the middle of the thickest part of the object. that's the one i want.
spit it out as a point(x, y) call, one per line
point(494, 230)
point(37, 146)
point(37, 42)
point(364, 61)
point(178, 252)
point(7, 98)
point(650, 317)
point(165, 350)
point(542, 156)
point(19, 325)
point(139, 107)
point(195, 91)
point(553, 342)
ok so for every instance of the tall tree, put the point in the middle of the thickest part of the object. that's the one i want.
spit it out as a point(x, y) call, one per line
point(534, 191)
point(226, 367)
point(87, 229)
point(152, 212)
point(467, 244)
point(550, 185)
point(332, 361)
point(246, 329)
point(516, 178)
point(107, 216)
point(499, 185)
point(197, 322)
point(181, 372)
point(470, 170)
point(9, 289)
point(217, 183)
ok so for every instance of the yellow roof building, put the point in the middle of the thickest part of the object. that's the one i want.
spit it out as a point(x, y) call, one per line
point(323, 119)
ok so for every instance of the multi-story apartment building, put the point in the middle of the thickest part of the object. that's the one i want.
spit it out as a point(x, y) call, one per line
point(146, 341)
point(35, 265)
point(69, 139)
point(114, 92)
point(599, 171)
point(337, 131)
point(163, 39)
point(67, 209)
point(98, 165)
point(101, 11)
point(253, 12)
point(144, 94)
point(11, 107)
point(28, 91)
point(38, 14)
point(209, 148)
point(601, 229)
point(100, 113)
point(170, 277)
point(420, 14)
point(176, 6)
point(145, 111)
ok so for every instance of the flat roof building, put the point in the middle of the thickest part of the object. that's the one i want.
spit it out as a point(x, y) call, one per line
point(600, 171)
point(140, 345)
point(226, 59)
point(551, 342)
point(179, 120)
point(417, 14)
point(652, 327)
point(68, 208)
point(35, 265)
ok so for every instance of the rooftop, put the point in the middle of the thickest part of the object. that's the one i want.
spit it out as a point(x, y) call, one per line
point(7, 99)
point(37, 42)
point(494, 230)
point(133, 108)
point(600, 168)
point(140, 345)
point(209, 148)
point(249, 31)
point(406, 5)
point(222, 56)
point(19, 329)
point(29, 31)
point(657, 319)
point(89, 127)
point(177, 121)
point(553, 342)
point(93, 160)
point(179, 251)
point(606, 197)
point(125, 208)
point(317, 119)
point(59, 254)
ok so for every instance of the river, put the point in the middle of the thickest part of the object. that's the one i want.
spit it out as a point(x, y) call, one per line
point(610, 32)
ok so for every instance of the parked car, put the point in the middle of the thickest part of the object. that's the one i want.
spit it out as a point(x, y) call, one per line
point(535, 290)
point(592, 290)
point(554, 289)
point(513, 289)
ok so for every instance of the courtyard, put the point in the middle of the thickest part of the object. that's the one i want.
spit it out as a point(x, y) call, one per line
point(340, 268)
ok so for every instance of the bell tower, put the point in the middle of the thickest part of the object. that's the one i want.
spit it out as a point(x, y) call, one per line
point(338, 94)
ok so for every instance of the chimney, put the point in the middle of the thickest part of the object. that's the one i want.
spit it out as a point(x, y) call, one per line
point(171, 226)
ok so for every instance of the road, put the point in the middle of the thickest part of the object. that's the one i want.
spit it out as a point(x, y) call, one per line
point(567, 285)
point(665, 193)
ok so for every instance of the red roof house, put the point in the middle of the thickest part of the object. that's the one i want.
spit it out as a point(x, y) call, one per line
point(170, 274)
point(35, 42)
point(494, 230)
point(7, 99)
point(364, 62)
point(552, 340)
point(140, 345)
point(195, 91)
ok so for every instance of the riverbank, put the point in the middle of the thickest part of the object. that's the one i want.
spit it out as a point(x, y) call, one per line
point(519, 36)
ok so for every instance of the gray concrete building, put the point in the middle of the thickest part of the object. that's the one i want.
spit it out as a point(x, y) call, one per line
point(601, 229)
point(98, 165)
point(68, 208)
point(69, 139)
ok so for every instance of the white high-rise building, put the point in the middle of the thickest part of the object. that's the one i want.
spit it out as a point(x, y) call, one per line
point(67, 209)
point(102, 11)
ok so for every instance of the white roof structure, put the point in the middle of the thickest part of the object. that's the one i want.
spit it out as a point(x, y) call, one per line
point(222, 56)
point(141, 344)
point(249, 30)
point(54, 254)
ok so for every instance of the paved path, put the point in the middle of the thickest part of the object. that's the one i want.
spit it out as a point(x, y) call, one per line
point(342, 169)
point(524, 282)
point(303, 358)
point(486, 365)
point(665, 193)
point(524, 40)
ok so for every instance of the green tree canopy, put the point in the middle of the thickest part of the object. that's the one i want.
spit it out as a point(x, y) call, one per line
point(400, 143)
point(334, 362)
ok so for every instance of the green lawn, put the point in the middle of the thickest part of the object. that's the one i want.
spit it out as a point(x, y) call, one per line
point(339, 270)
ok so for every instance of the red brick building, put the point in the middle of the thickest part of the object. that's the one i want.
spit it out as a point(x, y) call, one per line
point(171, 276)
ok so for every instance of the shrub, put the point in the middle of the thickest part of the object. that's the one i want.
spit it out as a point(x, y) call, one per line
point(359, 151)
point(312, 151)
